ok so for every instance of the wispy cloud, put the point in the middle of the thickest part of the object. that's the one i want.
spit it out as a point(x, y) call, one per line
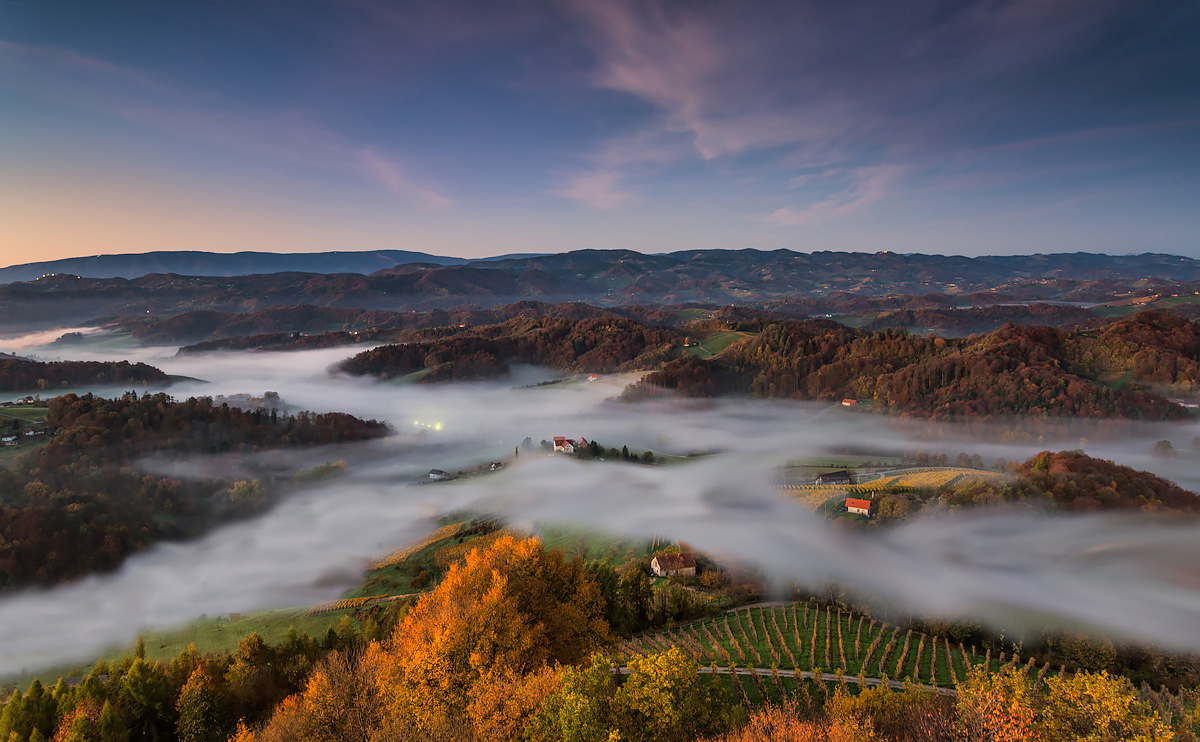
point(869, 184)
point(600, 189)
point(292, 137)
point(814, 85)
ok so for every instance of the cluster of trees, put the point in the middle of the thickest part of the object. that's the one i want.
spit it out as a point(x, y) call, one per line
point(591, 345)
point(77, 504)
point(1008, 706)
point(688, 377)
point(192, 698)
point(20, 375)
point(1012, 371)
point(966, 321)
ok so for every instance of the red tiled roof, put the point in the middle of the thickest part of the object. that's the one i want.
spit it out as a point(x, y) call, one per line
point(855, 503)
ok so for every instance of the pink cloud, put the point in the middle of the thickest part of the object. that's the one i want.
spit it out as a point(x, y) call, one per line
point(600, 189)
point(706, 79)
point(138, 97)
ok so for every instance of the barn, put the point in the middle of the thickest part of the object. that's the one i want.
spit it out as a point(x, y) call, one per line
point(841, 476)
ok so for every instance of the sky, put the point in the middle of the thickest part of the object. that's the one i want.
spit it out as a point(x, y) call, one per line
point(482, 128)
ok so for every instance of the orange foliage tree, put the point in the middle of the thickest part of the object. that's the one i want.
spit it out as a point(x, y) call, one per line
point(512, 608)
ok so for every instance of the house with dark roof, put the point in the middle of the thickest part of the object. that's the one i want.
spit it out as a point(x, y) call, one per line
point(842, 476)
point(674, 565)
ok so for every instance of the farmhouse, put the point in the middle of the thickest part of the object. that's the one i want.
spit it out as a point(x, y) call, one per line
point(862, 507)
point(841, 476)
point(849, 402)
point(566, 445)
point(438, 474)
point(674, 565)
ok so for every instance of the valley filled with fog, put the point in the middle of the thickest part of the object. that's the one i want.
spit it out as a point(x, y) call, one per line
point(1125, 575)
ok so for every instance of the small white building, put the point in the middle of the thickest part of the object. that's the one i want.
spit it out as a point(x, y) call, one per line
point(674, 565)
point(855, 505)
point(9, 440)
point(438, 474)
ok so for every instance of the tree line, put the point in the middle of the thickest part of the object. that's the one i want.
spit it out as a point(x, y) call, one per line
point(23, 375)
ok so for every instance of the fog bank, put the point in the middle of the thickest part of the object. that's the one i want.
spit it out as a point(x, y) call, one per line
point(1127, 576)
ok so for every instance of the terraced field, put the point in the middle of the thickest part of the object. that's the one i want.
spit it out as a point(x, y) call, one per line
point(813, 495)
point(803, 637)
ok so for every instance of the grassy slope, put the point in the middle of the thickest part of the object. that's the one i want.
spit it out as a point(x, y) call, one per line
point(715, 344)
point(26, 415)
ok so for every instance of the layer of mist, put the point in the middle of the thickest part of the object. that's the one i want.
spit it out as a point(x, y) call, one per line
point(1127, 576)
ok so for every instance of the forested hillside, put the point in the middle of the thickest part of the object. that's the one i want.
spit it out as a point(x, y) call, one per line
point(75, 505)
point(1015, 370)
point(22, 375)
point(591, 345)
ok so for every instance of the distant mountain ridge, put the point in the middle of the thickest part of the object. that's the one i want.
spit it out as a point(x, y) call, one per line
point(779, 280)
point(197, 263)
point(619, 266)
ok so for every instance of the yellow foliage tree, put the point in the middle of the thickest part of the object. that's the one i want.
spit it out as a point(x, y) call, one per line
point(509, 609)
point(1098, 708)
point(663, 698)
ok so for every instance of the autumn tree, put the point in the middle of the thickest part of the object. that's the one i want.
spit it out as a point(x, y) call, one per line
point(663, 697)
point(205, 709)
point(505, 706)
point(999, 707)
point(511, 608)
point(1095, 707)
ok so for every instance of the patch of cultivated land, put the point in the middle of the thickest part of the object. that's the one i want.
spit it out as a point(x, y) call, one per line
point(25, 414)
point(716, 344)
point(806, 637)
point(813, 495)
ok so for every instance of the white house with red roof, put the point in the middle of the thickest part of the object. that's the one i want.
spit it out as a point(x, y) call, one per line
point(855, 505)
